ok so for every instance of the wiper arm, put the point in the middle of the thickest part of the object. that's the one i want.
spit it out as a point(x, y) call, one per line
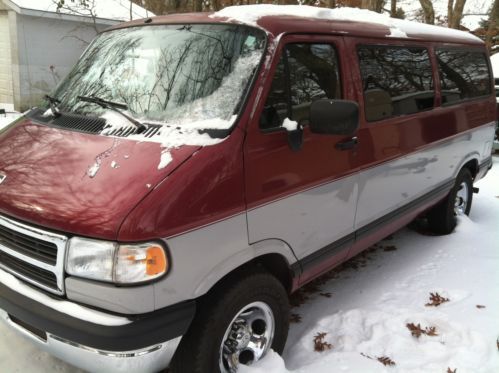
point(117, 107)
point(53, 105)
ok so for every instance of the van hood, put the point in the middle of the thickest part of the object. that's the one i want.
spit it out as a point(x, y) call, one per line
point(78, 183)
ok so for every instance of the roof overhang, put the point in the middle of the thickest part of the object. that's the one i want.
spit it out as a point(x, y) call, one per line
point(59, 16)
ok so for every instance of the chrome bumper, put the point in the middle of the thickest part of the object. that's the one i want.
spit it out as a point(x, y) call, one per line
point(150, 359)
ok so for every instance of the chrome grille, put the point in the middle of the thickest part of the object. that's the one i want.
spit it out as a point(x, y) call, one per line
point(32, 254)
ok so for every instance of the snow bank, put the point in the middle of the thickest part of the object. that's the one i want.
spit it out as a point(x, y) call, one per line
point(250, 14)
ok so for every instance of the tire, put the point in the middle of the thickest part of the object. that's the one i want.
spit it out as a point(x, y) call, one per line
point(442, 218)
point(200, 348)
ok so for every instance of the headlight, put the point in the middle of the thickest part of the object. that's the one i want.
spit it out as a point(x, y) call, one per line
point(111, 262)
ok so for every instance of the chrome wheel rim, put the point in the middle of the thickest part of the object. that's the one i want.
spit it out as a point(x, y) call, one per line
point(248, 337)
point(461, 202)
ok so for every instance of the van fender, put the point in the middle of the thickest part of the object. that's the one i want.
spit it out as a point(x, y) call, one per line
point(244, 256)
point(472, 156)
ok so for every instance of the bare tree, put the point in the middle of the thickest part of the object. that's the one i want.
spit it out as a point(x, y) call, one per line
point(493, 24)
point(393, 8)
point(428, 11)
point(455, 13)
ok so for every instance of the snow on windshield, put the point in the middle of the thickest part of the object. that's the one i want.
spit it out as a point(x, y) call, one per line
point(185, 78)
point(250, 14)
point(186, 129)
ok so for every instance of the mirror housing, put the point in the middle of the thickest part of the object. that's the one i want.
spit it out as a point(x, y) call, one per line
point(334, 117)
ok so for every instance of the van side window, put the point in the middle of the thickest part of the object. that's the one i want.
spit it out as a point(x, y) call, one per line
point(463, 75)
point(305, 73)
point(396, 80)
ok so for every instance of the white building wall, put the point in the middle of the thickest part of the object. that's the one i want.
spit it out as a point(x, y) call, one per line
point(48, 49)
point(6, 88)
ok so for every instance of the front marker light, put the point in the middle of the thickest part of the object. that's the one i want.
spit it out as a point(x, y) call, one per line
point(92, 259)
point(139, 263)
point(110, 262)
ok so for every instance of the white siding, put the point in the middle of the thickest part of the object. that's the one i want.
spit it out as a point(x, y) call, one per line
point(6, 90)
point(48, 49)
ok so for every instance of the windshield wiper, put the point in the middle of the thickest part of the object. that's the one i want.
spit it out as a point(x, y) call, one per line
point(53, 102)
point(117, 107)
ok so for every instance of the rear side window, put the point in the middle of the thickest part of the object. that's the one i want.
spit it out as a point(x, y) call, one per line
point(463, 75)
point(305, 73)
point(396, 81)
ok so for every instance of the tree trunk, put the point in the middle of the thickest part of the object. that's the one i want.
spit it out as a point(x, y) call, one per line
point(393, 8)
point(457, 14)
point(198, 5)
point(450, 8)
point(428, 12)
point(331, 3)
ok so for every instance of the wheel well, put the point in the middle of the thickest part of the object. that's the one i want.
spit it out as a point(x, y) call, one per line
point(472, 166)
point(275, 264)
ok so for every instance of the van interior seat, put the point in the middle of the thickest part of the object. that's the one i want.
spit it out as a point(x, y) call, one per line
point(378, 104)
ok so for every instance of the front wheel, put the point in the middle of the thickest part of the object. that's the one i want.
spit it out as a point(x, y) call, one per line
point(442, 218)
point(236, 324)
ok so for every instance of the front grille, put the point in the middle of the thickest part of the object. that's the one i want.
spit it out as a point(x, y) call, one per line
point(29, 246)
point(28, 270)
point(33, 255)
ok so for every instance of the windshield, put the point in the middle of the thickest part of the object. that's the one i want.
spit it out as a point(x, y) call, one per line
point(176, 74)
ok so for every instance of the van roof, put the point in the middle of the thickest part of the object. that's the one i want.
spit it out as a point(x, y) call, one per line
point(280, 19)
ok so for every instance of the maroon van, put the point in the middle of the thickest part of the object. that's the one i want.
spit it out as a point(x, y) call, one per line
point(193, 170)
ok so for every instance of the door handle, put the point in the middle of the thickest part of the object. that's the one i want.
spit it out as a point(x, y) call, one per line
point(347, 144)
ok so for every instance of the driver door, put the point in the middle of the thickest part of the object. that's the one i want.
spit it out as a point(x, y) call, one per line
point(304, 196)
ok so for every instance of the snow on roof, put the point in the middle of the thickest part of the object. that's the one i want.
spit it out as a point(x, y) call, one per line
point(250, 14)
point(494, 60)
point(108, 9)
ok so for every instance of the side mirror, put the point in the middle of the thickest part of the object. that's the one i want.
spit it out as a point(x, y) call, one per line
point(334, 117)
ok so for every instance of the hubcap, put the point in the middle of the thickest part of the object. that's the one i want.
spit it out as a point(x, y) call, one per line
point(461, 202)
point(248, 337)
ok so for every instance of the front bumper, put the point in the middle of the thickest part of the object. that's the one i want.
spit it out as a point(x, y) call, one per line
point(92, 339)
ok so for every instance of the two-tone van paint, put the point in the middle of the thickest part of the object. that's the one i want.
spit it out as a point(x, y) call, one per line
point(192, 171)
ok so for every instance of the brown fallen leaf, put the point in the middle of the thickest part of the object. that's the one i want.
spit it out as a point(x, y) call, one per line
point(294, 318)
point(436, 300)
point(417, 331)
point(319, 343)
point(385, 360)
point(449, 370)
point(479, 306)
point(431, 331)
